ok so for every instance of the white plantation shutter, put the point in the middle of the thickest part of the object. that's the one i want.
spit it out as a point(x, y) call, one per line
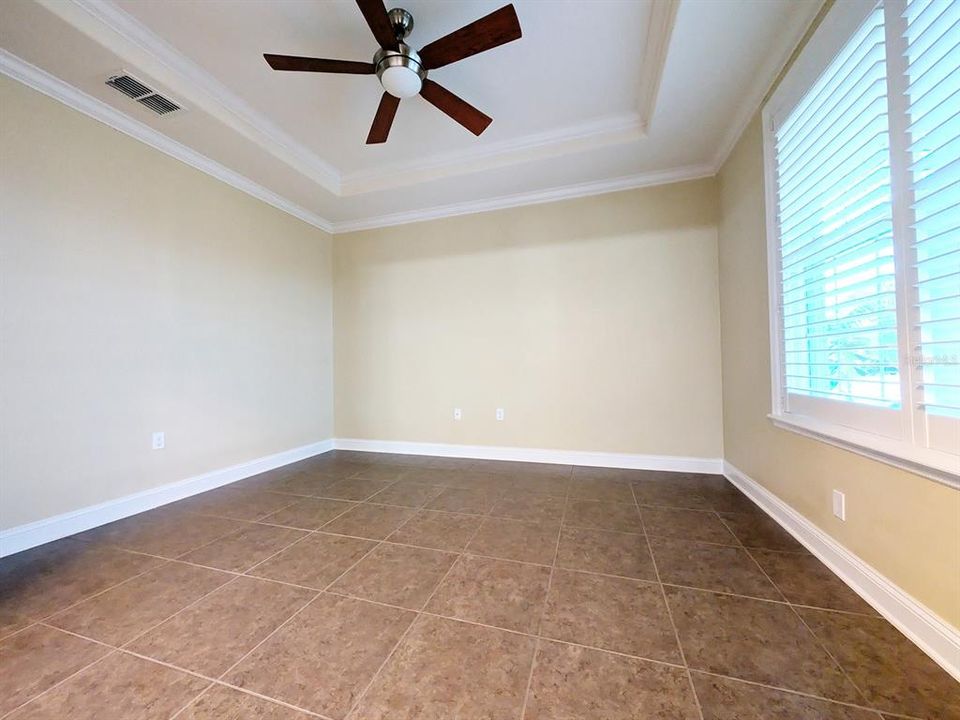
point(933, 75)
point(862, 152)
point(838, 285)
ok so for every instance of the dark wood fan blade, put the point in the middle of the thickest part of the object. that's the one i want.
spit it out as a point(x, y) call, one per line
point(383, 119)
point(499, 27)
point(457, 108)
point(307, 64)
point(376, 16)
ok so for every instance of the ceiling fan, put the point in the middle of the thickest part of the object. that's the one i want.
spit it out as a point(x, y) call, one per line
point(403, 71)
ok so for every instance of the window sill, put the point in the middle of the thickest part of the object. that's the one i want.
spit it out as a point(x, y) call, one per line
point(939, 466)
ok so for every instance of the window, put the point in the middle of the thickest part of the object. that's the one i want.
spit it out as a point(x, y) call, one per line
point(862, 156)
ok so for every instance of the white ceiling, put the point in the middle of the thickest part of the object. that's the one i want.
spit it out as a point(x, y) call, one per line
point(597, 95)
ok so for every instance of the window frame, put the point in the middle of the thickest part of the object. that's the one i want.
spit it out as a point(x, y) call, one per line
point(895, 437)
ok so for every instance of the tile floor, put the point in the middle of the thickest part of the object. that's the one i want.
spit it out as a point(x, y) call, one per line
point(373, 586)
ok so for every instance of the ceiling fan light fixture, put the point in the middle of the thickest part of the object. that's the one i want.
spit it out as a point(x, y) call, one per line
point(400, 72)
point(401, 82)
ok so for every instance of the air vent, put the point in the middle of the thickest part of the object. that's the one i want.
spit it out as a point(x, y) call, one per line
point(133, 88)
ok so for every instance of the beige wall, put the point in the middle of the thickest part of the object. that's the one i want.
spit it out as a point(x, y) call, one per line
point(592, 322)
point(138, 294)
point(906, 526)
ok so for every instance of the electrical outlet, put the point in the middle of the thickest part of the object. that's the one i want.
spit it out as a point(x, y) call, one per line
point(840, 505)
point(499, 413)
point(159, 441)
point(457, 414)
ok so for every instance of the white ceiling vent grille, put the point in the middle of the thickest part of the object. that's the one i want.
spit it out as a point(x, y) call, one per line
point(133, 88)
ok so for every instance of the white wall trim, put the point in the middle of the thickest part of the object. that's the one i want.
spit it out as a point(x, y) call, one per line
point(536, 197)
point(43, 531)
point(926, 629)
point(676, 463)
point(42, 81)
point(662, 18)
point(762, 84)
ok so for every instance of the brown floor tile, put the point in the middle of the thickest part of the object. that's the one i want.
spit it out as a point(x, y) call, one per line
point(515, 540)
point(536, 483)
point(223, 703)
point(503, 593)
point(36, 659)
point(407, 494)
point(804, 580)
point(530, 507)
point(384, 472)
point(355, 488)
point(728, 699)
point(120, 686)
point(370, 521)
point(575, 682)
point(470, 502)
point(210, 636)
point(325, 656)
point(665, 493)
point(446, 669)
point(726, 498)
point(316, 561)
point(604, 551)
point(757, 530)
point(623, 517)
point(245, 548)
point(894, 673)
point(582, 472)
point(37, 582)
point(619, 614)
point(237, 504)
point(396, 575)
point(306, 484)
point(123, 612)
point(755, 640)
point(605, 489)
point(168, 532)
point(11, 622)
point(686, 525)
point(308, 513)
point(711, 567)
point(441, 531)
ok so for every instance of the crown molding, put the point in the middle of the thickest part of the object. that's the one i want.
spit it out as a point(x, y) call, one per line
point(663, 15)
point(590, 135)
point(763, 82)
point(537, 197)
point(44, 82)
point(101, 19)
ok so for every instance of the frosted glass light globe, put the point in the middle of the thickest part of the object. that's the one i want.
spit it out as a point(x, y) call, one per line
point(401, 82)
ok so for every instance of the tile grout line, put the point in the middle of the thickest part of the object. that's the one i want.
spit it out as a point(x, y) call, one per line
point(799, 617)
point(295, 614)
point(419, 613)
point(666, 604)
point(546, 599)
point(72, 675)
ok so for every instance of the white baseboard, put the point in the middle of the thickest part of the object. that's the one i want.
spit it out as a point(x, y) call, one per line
point(36, 533)
point(676, 463)
point(936, 637)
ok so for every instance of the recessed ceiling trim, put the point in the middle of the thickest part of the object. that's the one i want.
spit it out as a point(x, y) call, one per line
point(536, 197)
point(764, 80)
point(553, 143)
point(111, 26)
point(663, 15)
point(42, 81)
point(133, 41)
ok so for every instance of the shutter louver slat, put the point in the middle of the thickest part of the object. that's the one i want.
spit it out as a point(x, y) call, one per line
point(933, 96)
